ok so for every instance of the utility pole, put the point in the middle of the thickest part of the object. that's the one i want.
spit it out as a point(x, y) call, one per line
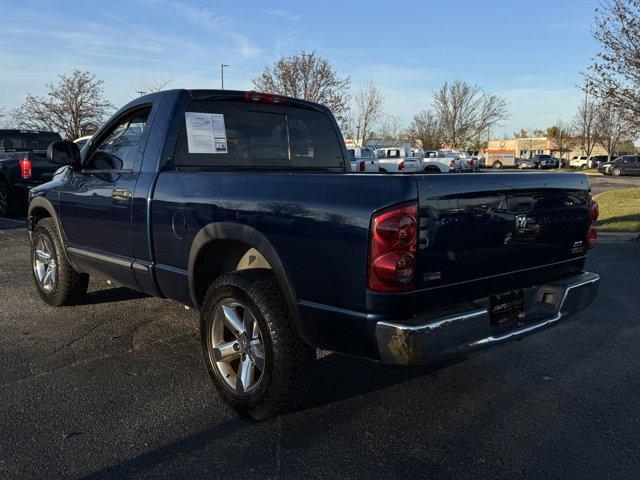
point(222, 65)
point(141, 92)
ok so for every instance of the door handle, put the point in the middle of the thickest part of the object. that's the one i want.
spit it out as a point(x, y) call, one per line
point(121, 193)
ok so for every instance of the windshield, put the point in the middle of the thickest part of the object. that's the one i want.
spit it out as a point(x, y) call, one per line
point(21, 141)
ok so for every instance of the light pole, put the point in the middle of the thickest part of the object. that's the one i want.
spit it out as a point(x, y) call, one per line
point(222, 65)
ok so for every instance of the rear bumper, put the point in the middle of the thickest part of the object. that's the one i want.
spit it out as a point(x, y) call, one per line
point(435, 336)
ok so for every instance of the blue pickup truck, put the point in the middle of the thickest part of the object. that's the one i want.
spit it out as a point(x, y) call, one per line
point(242, 205)
point(23, 165)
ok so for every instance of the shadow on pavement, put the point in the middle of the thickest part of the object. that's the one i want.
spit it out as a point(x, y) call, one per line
point(336, 378)
point(118, 294)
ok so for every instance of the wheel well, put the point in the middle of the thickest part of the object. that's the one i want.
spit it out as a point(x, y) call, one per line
point(38, 214)
point(223, 256)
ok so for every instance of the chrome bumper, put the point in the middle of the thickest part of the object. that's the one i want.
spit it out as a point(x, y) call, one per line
point(436, 336)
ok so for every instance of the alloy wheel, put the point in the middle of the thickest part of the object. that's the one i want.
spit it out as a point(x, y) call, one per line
point(44, 264)
point(236, 347)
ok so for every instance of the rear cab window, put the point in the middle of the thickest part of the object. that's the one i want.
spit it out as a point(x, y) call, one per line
point(254, 135)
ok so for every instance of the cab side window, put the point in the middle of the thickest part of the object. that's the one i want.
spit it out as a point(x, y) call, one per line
point(120, 149)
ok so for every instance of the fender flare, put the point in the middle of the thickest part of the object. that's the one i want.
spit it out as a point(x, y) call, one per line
point(42, 202)
point(253, 238)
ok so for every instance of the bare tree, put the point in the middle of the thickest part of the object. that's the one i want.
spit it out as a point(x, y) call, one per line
point(467, 111)
point(615, 73)
point(585, 124)
point(390, 128)
point(74, 107)
point(562, 137)
point(146, 87)
point(611, 129)
point(368, 110)
point(428, 130)
point(308, 77)
point(4, 118)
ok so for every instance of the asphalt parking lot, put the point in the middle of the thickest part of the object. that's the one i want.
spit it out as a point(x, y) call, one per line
point(116, 388)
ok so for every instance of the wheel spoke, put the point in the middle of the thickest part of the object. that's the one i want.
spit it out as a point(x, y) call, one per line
point(258, 354)
point(42, 256)
point(245, 375)
point(232, 321)
point(53, 270)
point(226, 352)
point(249, 323)
point(46, 281)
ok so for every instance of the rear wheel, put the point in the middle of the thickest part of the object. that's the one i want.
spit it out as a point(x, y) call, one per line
point(4, 199)
point(382, 170)
point(56, 280)
point(616, 172)
point(496, 164)
point(256, 359)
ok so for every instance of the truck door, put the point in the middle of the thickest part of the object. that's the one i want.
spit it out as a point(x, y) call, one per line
point(96, 203)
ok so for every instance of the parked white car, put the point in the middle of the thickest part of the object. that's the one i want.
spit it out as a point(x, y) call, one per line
point(363, 160)
point(579, 162)
point(453, 161)
point(398, 160)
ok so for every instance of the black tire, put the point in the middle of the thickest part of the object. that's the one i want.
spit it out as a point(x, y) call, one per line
point(5, 197)
point(616, 172)
point(288, 360)
point(496, 165)
point(70, 286)
point(382, 170)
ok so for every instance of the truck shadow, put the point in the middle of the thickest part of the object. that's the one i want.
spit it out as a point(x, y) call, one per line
point(356, 377)
point(117, 294)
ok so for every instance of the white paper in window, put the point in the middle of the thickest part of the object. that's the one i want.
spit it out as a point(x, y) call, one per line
point(206, 132)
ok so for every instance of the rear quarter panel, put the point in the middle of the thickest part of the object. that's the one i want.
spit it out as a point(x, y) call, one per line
point(317, 223)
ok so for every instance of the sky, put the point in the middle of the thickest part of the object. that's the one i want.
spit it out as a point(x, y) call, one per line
point(531, 53)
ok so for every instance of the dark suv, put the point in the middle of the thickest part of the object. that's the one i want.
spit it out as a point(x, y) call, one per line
point(625, 165)
point(545, 161)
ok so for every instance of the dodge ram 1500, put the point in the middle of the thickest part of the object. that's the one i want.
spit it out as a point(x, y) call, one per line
point(241, 204)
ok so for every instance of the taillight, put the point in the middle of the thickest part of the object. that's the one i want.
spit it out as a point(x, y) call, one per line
point(401, 165)
point(470, 163)
point(25, 168)
point(264, 98)
point(452, 164)
point(392, 249)
point(361, 166)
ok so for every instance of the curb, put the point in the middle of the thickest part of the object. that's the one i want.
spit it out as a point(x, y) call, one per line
point(616, 237)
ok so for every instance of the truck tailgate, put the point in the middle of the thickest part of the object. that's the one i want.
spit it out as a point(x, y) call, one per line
point(477, 228)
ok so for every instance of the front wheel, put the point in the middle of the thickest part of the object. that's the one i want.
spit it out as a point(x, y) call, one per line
point(255, 357)
point(57, 282)
point(496, 165)
point(616, 172)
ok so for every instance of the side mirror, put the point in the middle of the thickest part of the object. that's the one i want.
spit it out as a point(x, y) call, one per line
point(64, 153)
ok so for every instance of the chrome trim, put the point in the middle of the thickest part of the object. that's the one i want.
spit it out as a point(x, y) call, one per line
point(535, 326)
point(451, 334)
point(435, 325)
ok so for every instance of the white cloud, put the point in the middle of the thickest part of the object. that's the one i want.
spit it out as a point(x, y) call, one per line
point(292, 17)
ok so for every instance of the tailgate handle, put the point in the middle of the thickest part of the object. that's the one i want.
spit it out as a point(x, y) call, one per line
point(520, 203)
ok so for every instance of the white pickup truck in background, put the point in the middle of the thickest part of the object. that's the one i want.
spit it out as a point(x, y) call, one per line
point(363, 160)
point(398, 160)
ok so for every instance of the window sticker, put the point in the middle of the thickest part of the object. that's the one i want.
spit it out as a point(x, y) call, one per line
point(206, 132)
